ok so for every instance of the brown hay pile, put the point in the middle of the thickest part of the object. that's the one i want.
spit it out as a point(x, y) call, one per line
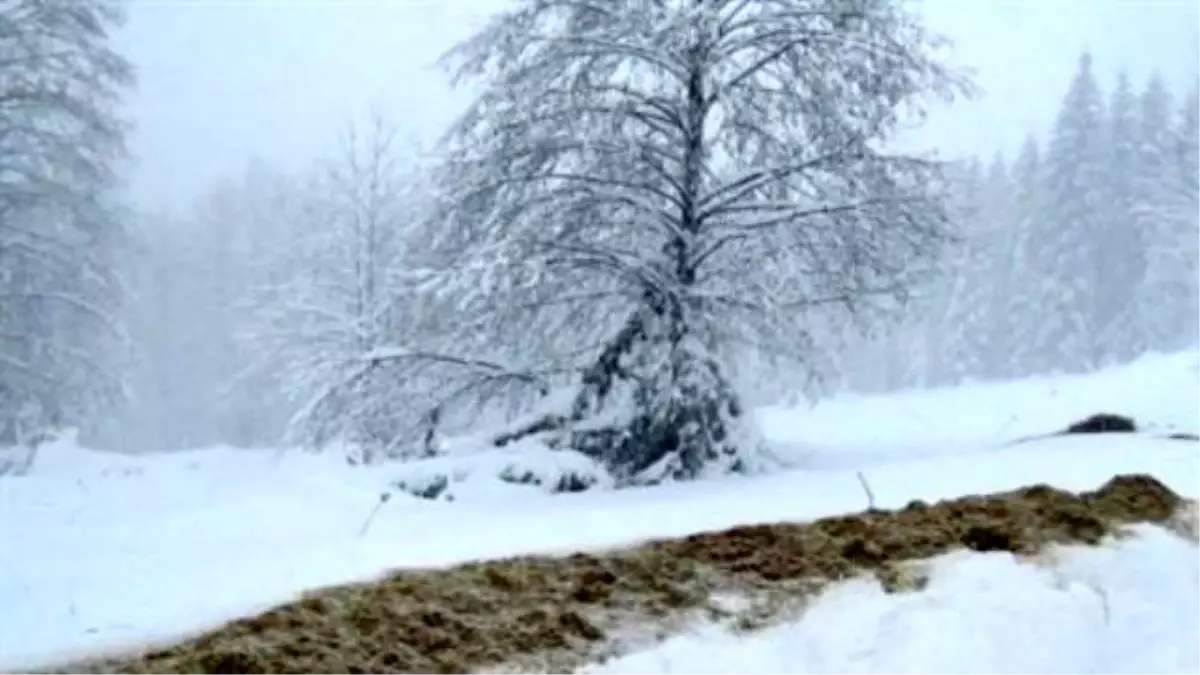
point(546, 613)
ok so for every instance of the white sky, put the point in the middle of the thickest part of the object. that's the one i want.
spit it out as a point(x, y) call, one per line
point(223, 82)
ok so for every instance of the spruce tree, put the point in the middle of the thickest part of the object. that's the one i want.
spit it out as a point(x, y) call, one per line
point(974, 335)
point(1021, 310)
point(997, 269)
point(1157, 211)
point(1120, 257)
point(1187, 146)
point(952, 302)
point(61, 235)
point(1066, 242)
point(1187, 182)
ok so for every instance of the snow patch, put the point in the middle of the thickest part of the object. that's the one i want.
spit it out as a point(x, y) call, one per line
point(516, 467)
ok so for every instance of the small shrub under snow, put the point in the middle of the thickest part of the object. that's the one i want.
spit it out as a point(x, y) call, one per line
point(515, 468)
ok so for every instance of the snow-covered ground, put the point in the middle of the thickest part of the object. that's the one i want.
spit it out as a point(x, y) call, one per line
point(1160, 391)
point(102, 551)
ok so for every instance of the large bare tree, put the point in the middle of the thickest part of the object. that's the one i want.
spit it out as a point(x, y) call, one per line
point(644, 189)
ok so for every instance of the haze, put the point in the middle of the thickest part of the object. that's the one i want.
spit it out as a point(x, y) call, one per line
point(225, 82)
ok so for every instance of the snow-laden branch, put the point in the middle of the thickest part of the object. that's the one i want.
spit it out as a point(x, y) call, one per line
point(574, 47)
point(734, 190)
point(381, 355)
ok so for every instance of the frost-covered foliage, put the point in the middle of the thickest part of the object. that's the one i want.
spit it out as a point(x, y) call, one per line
point(321, 318)
point(277, 299)
point(60, 232)
point(644, 190)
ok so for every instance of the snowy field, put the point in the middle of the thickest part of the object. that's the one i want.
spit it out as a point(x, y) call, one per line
point(101, 551)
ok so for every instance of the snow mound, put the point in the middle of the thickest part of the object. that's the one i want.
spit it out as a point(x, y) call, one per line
point(501, 472)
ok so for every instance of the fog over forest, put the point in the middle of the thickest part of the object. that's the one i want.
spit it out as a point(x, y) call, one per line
point(291, 253)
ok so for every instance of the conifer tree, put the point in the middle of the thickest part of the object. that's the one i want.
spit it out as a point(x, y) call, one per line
point(1119, 249)
point(1022, 307)
point(1065, 242)
point(61, 233)
point(1157, 210)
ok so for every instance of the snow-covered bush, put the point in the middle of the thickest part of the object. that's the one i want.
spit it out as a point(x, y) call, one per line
point(519, 468)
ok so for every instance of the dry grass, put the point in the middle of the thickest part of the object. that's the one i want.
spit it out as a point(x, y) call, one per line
point(545, 613)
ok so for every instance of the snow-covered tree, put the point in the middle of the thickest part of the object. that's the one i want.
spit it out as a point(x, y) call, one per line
point(1187, 147)
point(236, 228)
point(950, 302)
point(966, 336)
point(991, 336)
point(329, 302)
point(1163, 291)
point(1020, 311)
point(60, 232)
point(1067, 238)
point(1120, 251)
point(1186, 176)
point(251, 404)
point(644, 189)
